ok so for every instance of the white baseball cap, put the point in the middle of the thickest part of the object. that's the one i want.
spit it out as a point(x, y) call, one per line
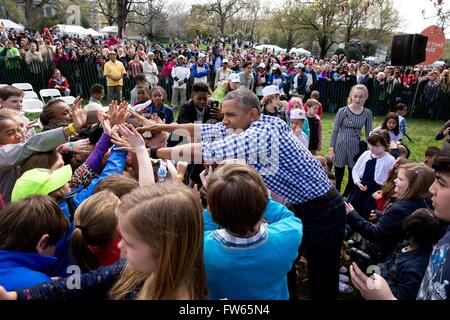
point(262, 65)
point(297, 114)
point(270, 90)
point(225, 61)
point(275, 66)
point(181, 57)
point(201, 55)
point(299, 65)
point(234, 77)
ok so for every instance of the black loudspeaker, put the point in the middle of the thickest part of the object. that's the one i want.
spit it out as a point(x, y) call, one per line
point(408, 49)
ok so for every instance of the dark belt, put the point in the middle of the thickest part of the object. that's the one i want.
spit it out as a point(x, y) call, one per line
point(318, 202)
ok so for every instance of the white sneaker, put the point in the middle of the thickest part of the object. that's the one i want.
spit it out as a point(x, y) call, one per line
point(345, 288)
point(343, 278)
point(343, 269)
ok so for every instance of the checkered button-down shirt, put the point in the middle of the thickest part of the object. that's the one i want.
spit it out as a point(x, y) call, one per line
point(271, 148)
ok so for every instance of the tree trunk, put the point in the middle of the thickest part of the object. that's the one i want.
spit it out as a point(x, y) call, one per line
point(222, 26)
point(122, 14)
point(32, 14)
point(290, 40)
point(323, 43)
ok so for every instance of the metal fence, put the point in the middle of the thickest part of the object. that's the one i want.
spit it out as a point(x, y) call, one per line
point(81, 76)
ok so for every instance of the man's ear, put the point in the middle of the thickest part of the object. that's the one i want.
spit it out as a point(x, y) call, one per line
point(254, 114)
point(41, 246)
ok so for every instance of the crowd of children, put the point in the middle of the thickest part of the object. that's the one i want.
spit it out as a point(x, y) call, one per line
point(89, 190)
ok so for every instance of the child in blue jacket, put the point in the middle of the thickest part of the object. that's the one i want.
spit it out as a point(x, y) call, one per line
point(250, 241)
point(29, 231)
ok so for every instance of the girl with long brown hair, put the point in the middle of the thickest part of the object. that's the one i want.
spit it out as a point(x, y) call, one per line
point(162, 246)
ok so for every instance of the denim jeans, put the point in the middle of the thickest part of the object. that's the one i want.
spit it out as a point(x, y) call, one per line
point(323, 222)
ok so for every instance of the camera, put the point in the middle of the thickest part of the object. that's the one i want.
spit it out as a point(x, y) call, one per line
point(362, 259)
point(215, 104)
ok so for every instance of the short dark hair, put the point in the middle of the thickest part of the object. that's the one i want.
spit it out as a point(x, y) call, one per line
point(24, 222)
point(237, 197)
point(140, 77)
point(10, 91)
point(422, 227)
point(47, 113)
point(432, 151)
point(96, 88)
point(246, 64)
point(400, 107)
point(200, 87)
point(441, 163)
point(143, 88)
point(158, 88)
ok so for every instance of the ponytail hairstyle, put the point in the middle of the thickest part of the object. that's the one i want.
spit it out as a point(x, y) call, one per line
point(95, 228)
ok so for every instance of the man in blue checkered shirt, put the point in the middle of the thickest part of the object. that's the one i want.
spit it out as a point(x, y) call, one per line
point(268, 144)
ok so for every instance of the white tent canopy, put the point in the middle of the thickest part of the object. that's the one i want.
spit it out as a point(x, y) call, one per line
point(271, 48)
point(93, 32)
point(8, 24)
point(300, 51)
point(72, 29)
point(110, 29)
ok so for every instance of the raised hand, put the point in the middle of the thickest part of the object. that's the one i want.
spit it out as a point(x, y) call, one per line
point(204, 176)
point(78, 116)
point(143, 121)
point(31, 124)
point(106, 124)
point(118, 114)
point(81, 146)
point(182, 168)
point(133, 137)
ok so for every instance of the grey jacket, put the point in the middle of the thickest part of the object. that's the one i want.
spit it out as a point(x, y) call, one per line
point(12, 155)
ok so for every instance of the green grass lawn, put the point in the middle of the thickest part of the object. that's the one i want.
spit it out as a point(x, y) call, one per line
point(422, 133)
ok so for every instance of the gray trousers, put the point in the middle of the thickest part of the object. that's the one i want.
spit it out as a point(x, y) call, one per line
point(114, 93)
point(178, 94)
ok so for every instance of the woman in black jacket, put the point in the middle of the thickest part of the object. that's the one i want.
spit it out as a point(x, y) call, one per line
point(411, 188)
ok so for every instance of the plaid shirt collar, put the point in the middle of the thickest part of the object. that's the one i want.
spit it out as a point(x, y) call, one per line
point(229, 241)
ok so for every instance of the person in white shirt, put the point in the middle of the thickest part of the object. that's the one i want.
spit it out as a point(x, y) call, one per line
point(180, 75)
point(150, 70)
point(298, 117)
point(370, 173)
